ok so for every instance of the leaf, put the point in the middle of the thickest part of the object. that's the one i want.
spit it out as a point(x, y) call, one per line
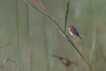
point(5, 45)
point(101, 51)
point(66, 15)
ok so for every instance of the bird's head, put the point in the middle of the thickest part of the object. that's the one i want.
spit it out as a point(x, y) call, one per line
point(71, 27)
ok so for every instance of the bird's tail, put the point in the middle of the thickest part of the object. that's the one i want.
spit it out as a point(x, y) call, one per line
point(80, 37)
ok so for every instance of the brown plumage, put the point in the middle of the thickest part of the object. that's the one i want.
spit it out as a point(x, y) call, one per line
point(73, 31)
point(65, 61)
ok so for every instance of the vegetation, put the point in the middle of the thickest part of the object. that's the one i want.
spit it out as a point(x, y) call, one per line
point(30, 41)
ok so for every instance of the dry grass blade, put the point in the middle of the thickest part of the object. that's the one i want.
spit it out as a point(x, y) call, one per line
point(42, 6)
point(83, 54)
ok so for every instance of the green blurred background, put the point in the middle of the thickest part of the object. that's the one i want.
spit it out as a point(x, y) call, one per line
point(28, 38)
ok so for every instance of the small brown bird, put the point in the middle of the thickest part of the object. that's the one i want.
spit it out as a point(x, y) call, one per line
point(73, 31)
point(66, 62)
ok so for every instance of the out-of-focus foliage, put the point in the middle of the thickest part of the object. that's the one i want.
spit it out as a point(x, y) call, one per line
point(28, 38)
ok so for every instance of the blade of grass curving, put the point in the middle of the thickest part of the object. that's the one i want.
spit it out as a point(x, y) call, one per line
point(92, 53)
point(66, 15)
point(9, 60)
point(17, 26)
point(97, 27)
point(101, 50)
point(37, 7)
point(5, 45)
point(42, 6)
point(41, 9)
point(102, 14)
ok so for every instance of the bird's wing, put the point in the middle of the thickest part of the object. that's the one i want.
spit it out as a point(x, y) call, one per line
point(74, 31)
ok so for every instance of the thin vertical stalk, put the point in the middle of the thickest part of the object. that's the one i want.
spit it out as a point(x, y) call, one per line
point(31, 58)
point(101, 50)
point(47, 48)
point(17, 26)
point(92, 54)
point(28, 27)
point(28, 31)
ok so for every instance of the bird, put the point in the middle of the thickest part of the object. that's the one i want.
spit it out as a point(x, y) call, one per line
point(73, 31)
point(65, 61)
